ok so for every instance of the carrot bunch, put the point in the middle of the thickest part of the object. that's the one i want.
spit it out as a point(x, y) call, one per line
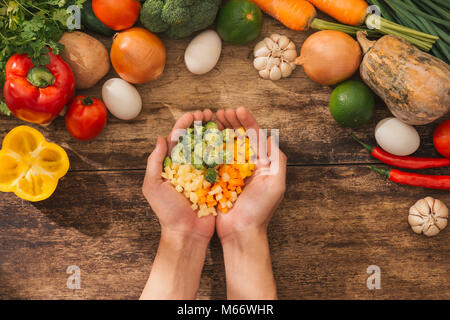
point(300, 15)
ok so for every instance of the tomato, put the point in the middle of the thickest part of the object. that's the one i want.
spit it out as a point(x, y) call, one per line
point(85, 117)
point(441, 138)
point(117, 14)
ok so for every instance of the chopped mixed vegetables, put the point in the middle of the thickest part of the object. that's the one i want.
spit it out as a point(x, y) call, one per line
point(209, 167)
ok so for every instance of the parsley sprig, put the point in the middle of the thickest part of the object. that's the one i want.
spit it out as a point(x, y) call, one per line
point(31, 27)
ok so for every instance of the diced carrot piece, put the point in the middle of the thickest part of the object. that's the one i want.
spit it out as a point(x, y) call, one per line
point(224, 210)
point(222, 184)
point(226, 193)
point(238, 190)
point(236, 182)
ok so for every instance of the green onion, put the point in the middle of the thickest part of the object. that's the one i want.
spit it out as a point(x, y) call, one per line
point(420, 13)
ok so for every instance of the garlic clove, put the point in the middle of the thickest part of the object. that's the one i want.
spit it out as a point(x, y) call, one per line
point(260, 63)
point(261, 50)
point(286, 69)
point(431, 231)
point(272, 62)
point(423, 207)
point(430, 202)
point(413, 211)
point(440, 209)
point(269, 43)
point(441, 223)
point(417, 229)
point(290, 55)
point(275, 73)
point(275, 37)
point(291, 45)
point(414, 220)
point(283, 42)
point(265, 74)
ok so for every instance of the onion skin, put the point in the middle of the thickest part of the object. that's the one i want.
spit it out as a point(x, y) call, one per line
point(138, 56)
point(330, 57)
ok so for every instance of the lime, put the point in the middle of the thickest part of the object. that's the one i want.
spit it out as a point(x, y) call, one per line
point(352, 104)
point(239, 21)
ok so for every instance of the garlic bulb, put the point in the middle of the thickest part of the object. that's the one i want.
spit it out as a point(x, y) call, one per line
point(274, 57)
point(428, 216)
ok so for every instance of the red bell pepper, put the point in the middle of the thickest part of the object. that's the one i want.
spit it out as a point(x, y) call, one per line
point(37, 94)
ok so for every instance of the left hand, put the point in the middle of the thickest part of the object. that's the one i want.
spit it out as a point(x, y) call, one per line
point(171, 207)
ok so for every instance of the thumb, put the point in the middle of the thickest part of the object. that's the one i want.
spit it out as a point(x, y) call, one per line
point(155, 162)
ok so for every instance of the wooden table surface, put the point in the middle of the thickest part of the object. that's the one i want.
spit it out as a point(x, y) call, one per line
point(337, 217)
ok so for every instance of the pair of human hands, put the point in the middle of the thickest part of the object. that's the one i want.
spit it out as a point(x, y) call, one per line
point(254, 207)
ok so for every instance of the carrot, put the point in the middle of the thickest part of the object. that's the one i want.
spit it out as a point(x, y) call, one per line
point(301, 15)
point(294, 14)
point(352, 12)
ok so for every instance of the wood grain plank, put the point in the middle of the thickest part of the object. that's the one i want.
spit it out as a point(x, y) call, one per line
point(297, 106)
point(334, 222)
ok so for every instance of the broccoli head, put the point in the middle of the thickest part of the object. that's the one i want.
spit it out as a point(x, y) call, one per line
point(178, 18)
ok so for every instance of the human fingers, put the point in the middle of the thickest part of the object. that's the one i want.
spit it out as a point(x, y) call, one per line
point(220, 115)
point(230, 115)
point(155, 164)
point(184, 122)
point(258, 139)
point(207, 115)
point(198, 115)
point(278, 160)
point(246, 119)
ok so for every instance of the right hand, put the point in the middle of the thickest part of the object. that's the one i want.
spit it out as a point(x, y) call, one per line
point(263, 192)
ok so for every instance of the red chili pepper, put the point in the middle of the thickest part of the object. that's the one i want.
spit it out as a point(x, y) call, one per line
point(405, 162)
point(37, 94)
point(415, 179)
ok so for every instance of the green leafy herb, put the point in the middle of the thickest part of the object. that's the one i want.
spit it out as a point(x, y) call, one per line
point(31, 27)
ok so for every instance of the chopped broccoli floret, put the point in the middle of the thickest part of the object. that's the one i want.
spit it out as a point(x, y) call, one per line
point(199, 166)
point(213, 137)
point(212, 156)
point(211, 125)
point(178, 18)
point(167, 162)
point(211, 175)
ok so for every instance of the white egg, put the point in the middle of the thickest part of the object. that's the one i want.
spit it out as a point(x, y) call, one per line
point(203, 52)
point(121, 99)
point(397, 137)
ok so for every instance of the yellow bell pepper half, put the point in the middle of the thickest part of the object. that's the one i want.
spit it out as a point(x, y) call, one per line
point(29, 165)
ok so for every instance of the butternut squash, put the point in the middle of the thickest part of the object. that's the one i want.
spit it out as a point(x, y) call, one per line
point(414, 85)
